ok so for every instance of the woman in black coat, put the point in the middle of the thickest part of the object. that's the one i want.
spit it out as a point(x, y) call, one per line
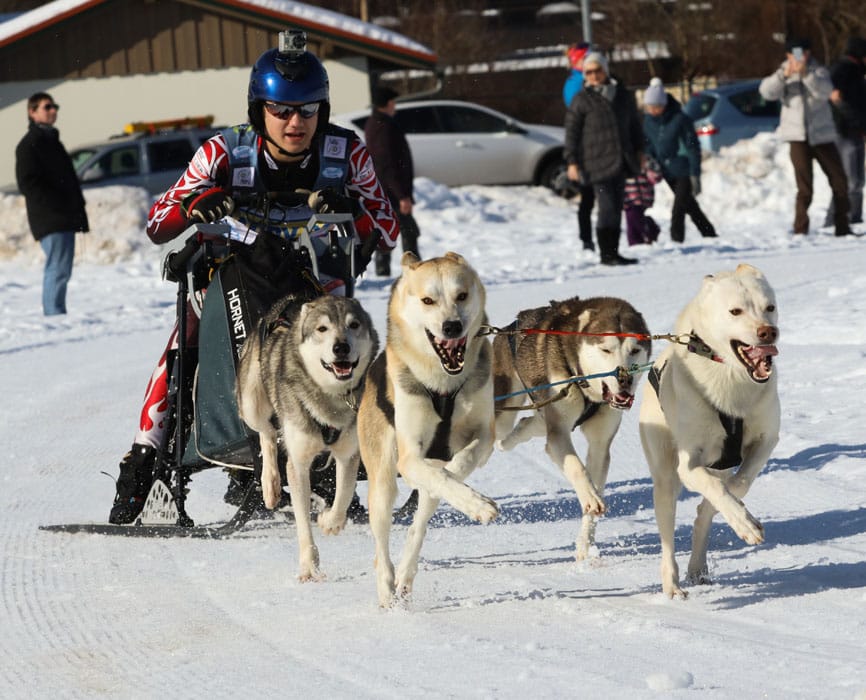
point(603, 143)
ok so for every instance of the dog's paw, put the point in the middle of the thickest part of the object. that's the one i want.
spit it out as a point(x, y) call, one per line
point(331, 522)
point(748, 528)
point(701, 577)
point(272, 491)
point(592, 504)
point(674, 591)
point(484, 510)
point(314, 574)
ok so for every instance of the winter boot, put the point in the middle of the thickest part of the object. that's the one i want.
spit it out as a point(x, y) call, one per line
point(608, 243)
point(133, 484)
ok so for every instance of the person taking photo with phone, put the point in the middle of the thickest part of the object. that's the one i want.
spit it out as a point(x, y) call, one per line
point(803, 85)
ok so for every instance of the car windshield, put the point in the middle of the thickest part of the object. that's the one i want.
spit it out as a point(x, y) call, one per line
point(81, 155)
point(699, 106)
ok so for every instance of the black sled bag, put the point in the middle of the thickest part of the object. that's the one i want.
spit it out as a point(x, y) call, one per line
point(244, 287)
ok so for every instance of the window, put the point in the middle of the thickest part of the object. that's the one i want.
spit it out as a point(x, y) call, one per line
point(699, 106)
point(752, 104)
point(418, 120)
point(169, 155)
point(466, 120)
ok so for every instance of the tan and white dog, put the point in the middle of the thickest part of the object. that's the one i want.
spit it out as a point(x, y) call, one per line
point(427, 411)
point(600, 336)
point(301, 375)
point(710, 413)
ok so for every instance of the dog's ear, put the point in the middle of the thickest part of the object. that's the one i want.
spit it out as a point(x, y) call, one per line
point(746, 269)
point(456, 257)
point(410, 260)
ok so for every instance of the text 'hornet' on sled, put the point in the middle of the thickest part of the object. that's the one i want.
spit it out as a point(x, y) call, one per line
point(569, 364)
point(427, 411)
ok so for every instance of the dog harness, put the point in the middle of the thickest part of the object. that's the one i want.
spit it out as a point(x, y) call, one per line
point(590, 408)
point(732, 449)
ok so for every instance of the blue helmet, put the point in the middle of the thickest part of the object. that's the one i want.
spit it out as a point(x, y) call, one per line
point(287, 76)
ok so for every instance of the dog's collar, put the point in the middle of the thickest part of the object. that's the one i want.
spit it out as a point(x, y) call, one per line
point(699, 347)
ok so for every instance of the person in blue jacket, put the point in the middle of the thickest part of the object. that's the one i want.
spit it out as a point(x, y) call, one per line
point(672, 142)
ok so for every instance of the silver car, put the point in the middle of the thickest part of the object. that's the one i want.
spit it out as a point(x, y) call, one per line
point(152, 161)
point(461, 143)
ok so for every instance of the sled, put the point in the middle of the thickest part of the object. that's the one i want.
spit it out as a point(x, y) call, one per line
point(204, 429)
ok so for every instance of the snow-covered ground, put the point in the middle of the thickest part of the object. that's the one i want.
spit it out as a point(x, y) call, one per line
point(499, 611)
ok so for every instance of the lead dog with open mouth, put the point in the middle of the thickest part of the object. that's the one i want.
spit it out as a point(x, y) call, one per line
point(710, 414)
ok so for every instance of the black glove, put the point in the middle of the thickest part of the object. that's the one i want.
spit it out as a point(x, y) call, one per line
point(330, 201)
point(209, 205)
point(696, 184)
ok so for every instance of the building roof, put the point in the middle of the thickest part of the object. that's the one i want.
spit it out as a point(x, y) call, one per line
point(324, 25)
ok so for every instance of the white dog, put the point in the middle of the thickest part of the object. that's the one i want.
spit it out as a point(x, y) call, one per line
point(710, 406)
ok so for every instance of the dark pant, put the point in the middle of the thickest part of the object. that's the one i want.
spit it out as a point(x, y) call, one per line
point(685, 203)
point(852, 153)
point(59, 252)
point(639, 227)
point(584, 215)
point(609, 195)
point(828, 159)
point(408, 238)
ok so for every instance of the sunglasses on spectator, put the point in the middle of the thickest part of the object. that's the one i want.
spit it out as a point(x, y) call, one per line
point(48, 107)
point(593, 71)
point(281, 111)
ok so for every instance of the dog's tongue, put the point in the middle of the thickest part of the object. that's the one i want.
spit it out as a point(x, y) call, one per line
point(758, 352)
point(342, 369)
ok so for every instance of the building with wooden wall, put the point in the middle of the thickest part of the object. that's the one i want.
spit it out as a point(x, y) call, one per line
point(110, 62)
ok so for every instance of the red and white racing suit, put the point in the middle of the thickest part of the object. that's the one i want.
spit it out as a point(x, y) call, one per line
point(210, 167)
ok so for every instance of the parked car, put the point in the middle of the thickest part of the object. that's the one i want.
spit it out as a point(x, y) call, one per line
point(152, 160)
point(461, 143)
point(728, 113)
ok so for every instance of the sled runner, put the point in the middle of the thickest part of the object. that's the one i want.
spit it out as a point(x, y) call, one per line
point(204, 430)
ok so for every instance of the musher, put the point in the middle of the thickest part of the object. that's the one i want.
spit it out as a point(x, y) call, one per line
point(288, 145)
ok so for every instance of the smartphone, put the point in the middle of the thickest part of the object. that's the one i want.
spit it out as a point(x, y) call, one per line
point(797, 53)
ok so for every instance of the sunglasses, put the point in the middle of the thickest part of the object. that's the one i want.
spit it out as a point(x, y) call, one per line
point(281, 111)
point(593, 71)
point(49, 107)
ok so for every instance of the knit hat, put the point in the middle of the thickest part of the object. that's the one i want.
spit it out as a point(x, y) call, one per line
point(576, 53)
point(655, 95)
point(383, 95)
point(594, 57)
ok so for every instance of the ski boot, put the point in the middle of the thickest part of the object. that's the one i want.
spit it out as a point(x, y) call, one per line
point(133, 484)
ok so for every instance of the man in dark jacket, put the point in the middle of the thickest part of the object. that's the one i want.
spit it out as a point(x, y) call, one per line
point(672, 142)
point(52, 193)
point(392, 159)
point(848, 101)
point(603, 142)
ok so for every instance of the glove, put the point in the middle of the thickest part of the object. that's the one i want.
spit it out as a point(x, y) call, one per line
point(209, 205)
point(330, 201)
point(696, 185)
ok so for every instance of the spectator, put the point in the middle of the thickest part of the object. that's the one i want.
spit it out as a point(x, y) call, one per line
point(672, 142)
point(573, 85)
point(640, 227)
point(392, 159)
point(52, 194)
point(603, 142)
point(848, 102)
point(804, 86)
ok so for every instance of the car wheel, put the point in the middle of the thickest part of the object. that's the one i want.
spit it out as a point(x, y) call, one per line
point(553, 174)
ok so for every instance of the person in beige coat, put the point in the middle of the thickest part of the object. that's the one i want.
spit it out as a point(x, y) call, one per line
point(803, 85)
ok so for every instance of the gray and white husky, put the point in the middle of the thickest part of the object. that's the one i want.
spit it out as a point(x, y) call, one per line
point(600, 336)
point(427, 411)
point(301, 375)
point(710, 413)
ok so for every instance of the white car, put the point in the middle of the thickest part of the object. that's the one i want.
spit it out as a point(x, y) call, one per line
point(460, 143)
